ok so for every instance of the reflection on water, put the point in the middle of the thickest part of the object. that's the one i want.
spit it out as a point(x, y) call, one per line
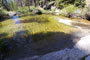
point(20, 31)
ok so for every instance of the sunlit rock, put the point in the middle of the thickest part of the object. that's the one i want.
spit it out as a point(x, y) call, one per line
point(57, 12)
point(11, 13)
point(36, 11)
point(84, 44)
point(53, 8)
point(65, 21)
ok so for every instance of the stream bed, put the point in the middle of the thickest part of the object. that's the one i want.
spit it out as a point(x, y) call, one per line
point(60, 44)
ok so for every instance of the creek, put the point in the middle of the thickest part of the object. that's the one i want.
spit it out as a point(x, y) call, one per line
point(79, 49)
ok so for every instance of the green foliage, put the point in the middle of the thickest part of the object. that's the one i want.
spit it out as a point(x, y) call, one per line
point(27, 5)
point(12, 5)
point(8, 4)
point(80, 3)
point(22, 9)
point(0, 3)
point(64, 3)
point(3, 11)
point(26, 10)
point(69, 9)
point(3, 14)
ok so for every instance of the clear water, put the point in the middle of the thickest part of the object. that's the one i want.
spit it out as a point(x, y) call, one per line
point(20, 31)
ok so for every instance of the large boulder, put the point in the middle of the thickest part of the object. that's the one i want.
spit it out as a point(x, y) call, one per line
point(11, 13)
point(76, 15)
point(37, 11)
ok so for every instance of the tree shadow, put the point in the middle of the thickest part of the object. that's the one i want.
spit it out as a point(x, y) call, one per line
point(52, 41)
point(4, 46)
point(3, 35)
point(3, 18)
point(42, 43)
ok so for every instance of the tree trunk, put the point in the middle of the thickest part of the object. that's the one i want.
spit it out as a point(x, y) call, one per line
point(4, 3)
point(34, 2)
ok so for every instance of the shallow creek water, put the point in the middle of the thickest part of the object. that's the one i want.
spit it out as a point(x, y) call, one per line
point(20, 31)
point(33, 50)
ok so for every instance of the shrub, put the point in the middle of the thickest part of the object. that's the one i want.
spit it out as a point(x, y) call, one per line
point(68, 10)
point(64, 3)
point(3, 13)
point(22, 9)
point(75, 12)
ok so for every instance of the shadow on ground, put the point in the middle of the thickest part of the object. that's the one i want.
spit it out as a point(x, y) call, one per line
point(42, 43)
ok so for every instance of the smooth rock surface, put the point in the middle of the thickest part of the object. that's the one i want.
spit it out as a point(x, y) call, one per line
point(84, 44)
point(87, 58)
point(66, 54)
point(65, 21)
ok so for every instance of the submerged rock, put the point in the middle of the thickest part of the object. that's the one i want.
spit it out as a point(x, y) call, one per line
point(19, 37)
point(66, 54)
